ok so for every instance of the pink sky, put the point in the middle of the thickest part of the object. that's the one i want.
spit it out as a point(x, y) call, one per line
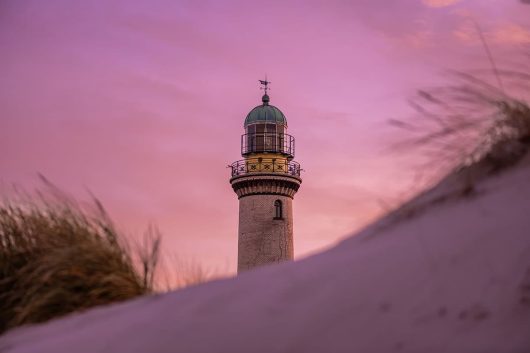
point(143, 103)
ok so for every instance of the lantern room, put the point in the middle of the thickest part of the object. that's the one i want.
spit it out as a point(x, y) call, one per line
point(265, 128)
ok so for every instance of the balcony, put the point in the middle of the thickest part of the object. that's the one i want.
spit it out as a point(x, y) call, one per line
point(265, 165)
point(267, 142)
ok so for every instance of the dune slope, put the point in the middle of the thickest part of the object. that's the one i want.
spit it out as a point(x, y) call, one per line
point(448, 272)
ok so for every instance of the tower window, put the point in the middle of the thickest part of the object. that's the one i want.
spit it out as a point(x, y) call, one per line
point(278, 210)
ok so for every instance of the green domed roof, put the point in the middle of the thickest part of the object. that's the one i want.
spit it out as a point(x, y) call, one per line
point(265, 113)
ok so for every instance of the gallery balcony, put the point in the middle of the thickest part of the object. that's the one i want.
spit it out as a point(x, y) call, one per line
point(265, 165)
point(267, 142)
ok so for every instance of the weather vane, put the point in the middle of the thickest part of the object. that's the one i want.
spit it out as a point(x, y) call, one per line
point(265, 84)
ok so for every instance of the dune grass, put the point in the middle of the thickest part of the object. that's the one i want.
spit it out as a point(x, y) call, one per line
point(57, 258)
point(470, 122)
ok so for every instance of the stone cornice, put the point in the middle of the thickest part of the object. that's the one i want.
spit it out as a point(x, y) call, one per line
point(265, 183)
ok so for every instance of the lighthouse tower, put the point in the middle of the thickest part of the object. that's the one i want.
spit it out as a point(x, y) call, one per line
point(265, 182)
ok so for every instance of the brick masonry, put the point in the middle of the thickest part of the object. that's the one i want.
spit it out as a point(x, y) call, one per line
point(263, 239)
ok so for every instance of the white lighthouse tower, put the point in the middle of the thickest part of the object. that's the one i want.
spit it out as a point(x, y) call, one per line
point(265, 182)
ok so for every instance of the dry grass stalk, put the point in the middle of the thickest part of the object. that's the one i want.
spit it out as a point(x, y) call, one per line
point(176, 272)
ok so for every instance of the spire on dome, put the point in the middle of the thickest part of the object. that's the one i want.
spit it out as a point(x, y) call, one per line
point(265, 99)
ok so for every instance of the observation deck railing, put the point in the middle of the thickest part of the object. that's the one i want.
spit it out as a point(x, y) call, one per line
point(267, 142)
point(265, 165)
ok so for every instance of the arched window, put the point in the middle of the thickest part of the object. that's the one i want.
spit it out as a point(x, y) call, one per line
point(278, 211)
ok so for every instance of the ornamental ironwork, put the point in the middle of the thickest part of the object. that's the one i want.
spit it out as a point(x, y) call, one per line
point(265, 165)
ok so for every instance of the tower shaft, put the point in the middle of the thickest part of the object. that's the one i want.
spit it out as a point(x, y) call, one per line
point(265, 233)
point(263, 239)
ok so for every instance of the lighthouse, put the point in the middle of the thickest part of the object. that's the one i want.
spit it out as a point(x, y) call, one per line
point(265, 182)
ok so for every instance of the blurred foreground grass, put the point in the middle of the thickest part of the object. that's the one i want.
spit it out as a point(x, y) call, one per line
point(56, 258)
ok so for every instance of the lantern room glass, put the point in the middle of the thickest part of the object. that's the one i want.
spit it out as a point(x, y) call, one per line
point(265, 137)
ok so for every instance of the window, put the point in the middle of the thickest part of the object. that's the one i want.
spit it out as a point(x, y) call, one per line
point(266, 137)
point(251, 129)
point(271, 128)
point(251, 138)
point(278, 212)
point(260, 138)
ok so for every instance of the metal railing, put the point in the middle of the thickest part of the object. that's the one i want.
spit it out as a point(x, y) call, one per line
point(265, 165)
point(270, 142)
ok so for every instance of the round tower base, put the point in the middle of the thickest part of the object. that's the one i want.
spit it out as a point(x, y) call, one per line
point(265, 218)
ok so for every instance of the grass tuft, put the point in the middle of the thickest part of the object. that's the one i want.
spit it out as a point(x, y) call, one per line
point(57, 258)
point(469, 123)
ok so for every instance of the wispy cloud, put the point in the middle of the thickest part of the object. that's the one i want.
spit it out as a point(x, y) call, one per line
point(420, 39)
point(511, 34)
point(439, 3)
point(502, 34)
point(466, 32)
